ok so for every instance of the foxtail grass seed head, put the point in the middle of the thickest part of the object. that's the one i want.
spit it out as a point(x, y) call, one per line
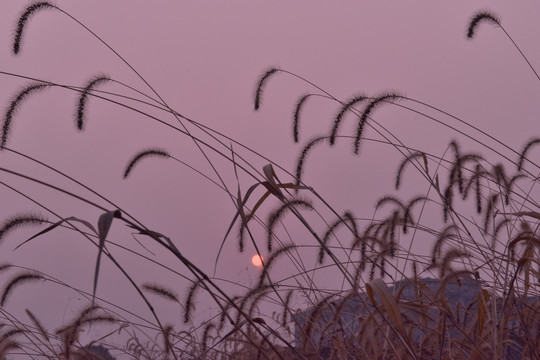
point(296, 119)
point(19, 221)
point(339, 117)
point(23, 20)
point(154, 152)
point(14, 105)
point(303, 155)
point(480, 17)
point(271, 260)
point(161, 291)
point(525, 150)
point(373, 104)
point(347, 217)
point(190, 304)
point(286, 309)
point(206, 335)
point(278, 214)
point(261, 85)
point(16, 281)
point(83, 98)
point(408, 159)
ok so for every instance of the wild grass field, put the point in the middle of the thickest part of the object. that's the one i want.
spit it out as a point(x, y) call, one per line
point(96, 275)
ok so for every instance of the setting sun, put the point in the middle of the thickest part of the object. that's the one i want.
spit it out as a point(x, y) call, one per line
point(256, 260)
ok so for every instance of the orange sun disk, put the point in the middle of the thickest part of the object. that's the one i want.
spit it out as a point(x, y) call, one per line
point(256, 260)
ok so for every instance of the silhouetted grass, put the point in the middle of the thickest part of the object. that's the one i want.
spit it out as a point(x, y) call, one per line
point(383, 302)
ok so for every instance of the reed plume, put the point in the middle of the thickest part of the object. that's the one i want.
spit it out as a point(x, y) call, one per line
point(144, 154)
point(80, 111)
point(23, 20)
point(14, 105)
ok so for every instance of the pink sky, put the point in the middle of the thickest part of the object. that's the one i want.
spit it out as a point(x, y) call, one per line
point(204, 59)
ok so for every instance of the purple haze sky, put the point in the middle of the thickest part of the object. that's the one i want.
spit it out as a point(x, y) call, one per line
point(204, 58)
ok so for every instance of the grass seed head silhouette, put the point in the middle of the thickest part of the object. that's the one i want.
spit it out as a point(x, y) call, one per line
point(372, 105)
point(270, 262)
point(261, 84)
point(154, 152)
point(18, 221)
point(348, 106)
point(480, 17)
point(408, 159)
point(23, 20)
point(16, 281)
point(296, 118)
point(347, 217)
point(189, 303)
point(302, 158)
point(161, 291)
point(14, 105)
point(83, 98)
point(526, 148)
point(278, 214)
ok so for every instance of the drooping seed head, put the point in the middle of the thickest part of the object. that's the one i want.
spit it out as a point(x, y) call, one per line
point(479, 17)
point(83, 98)
point(261, 84)
point(143, 154)
point(14, 105)
point(18, 221)
point(23, 20)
